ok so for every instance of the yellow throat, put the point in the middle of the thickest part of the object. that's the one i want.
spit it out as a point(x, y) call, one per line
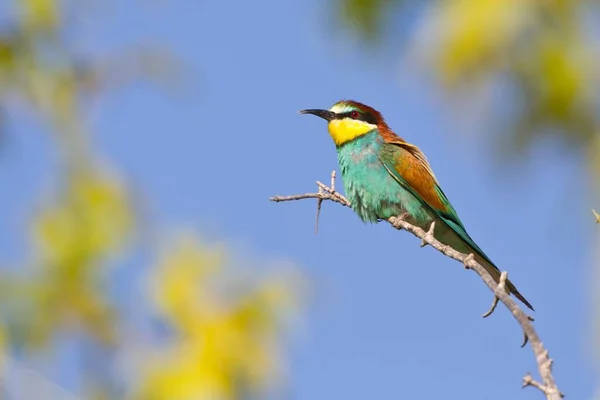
point(347, 129)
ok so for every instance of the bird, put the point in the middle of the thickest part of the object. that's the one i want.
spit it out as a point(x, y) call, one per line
point(385, 176)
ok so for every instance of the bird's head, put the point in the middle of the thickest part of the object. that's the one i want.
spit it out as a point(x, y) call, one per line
point(348, 120)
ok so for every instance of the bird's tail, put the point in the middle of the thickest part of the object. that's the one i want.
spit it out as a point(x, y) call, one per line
point(463, 243)
point(495, 273)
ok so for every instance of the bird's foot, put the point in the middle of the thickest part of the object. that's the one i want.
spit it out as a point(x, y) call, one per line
point(402, 217)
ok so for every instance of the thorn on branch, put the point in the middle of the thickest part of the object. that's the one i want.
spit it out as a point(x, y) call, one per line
point(428, 236)
point(501, 287)
point(525, 337)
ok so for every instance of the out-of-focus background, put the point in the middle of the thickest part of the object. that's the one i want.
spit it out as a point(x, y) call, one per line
point(140, 141)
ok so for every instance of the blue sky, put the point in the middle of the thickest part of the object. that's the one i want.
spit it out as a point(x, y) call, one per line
point(387, 318)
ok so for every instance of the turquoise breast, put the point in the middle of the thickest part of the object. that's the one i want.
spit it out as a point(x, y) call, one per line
point(372, 191)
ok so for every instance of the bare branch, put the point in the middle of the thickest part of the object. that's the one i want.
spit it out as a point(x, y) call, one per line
point(597, 216)
point(544, 362)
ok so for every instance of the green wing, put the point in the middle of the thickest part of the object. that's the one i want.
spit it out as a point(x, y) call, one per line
point(389, 157)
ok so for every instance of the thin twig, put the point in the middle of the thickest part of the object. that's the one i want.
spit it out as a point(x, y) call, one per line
point(333, 181)
point(320, 199)
point(544, 362)
point(319, 204)
point(597, 216)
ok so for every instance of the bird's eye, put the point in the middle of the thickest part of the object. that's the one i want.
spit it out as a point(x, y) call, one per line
point(354, 114)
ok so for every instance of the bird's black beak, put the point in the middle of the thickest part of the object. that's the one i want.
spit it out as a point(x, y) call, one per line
point(325, 114)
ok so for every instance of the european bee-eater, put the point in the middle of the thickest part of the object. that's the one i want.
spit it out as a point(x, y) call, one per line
point(384, 176)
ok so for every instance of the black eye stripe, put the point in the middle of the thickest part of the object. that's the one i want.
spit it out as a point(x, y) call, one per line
point(349, 115)
point(362, 116)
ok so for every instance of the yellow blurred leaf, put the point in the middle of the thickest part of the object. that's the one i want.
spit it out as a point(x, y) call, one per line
point(474, 35)
point(223, 345)
point(181, 279)
point(40, 14)
point(91, 219)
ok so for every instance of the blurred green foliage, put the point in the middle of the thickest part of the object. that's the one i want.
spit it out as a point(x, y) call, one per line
point(224, 344)
point(542, 53)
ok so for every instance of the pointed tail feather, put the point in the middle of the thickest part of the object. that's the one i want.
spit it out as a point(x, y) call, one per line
point(495, 273)
point(456, 237)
